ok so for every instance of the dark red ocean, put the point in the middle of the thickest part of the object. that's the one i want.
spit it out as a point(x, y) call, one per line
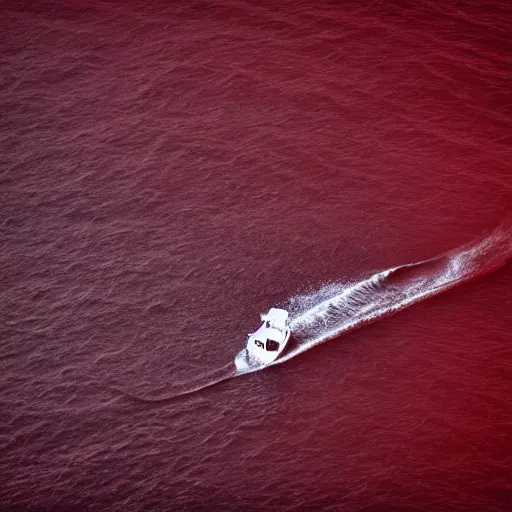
point(169, 170)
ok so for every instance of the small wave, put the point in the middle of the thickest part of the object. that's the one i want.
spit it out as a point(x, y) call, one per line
point(187, 388)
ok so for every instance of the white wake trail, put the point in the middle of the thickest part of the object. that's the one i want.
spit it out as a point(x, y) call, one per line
point(339, 308)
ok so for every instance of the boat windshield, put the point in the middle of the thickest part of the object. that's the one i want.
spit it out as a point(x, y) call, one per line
point(259, 343)
point(272, 345)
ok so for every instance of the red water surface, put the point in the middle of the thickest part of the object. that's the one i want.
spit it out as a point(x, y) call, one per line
point(168, 171)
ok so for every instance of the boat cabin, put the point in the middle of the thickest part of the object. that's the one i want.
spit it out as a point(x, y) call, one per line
point(268, 345)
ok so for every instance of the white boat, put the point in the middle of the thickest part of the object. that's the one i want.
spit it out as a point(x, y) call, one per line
point(269, 341)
